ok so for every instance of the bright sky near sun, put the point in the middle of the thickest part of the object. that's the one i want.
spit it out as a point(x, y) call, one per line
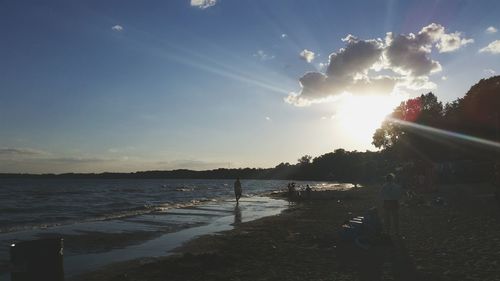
point(125, 85)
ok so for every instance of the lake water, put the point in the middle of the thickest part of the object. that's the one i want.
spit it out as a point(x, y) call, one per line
point(105, 221)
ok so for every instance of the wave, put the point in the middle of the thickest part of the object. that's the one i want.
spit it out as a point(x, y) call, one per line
point(145, 209)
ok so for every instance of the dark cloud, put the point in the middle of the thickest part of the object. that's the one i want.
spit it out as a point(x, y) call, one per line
point(409, 55)
point(353, 69)
point(356, 58)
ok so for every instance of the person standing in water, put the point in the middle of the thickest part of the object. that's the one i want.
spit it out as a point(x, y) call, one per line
point(237, 190)
point(390, 195)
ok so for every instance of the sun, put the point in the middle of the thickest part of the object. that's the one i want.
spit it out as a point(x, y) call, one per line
point(360, 116)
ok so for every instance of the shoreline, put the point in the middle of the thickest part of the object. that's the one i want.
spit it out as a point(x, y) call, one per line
point(164, 244)
point(206, 246)
point(455, 238)
point(90, 246)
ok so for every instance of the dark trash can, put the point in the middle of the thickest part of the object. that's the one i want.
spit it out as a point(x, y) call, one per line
point(37, 260)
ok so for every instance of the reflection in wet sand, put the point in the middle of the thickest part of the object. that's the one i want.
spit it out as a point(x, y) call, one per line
point(237, 214)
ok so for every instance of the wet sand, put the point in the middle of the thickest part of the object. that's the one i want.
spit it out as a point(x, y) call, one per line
point(89, 246)
point(454, 239)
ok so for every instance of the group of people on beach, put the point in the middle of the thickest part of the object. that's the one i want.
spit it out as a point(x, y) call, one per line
point(294, 194)
point(389, 195)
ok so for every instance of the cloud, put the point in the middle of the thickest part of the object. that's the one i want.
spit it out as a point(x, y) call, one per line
point(307, 55)
point(356, 58)
point(263, 56)
point(268, 118)
point(491, 30)
point(404, 59)
point(77, 160)
point(490, 72)
point(284, 35)
point(117, 28)
point(203, 4)
point(492, 48)
point(451, 42)
point(6, 151)
point(444, 78)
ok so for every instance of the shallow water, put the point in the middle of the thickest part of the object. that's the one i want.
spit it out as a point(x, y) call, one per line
point(105, 221)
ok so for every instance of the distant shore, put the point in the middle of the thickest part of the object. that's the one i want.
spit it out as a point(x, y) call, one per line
point(455, 239)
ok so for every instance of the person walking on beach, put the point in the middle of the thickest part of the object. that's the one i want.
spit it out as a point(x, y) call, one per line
point(237, 190)
point(390, 195)
point(308, 192)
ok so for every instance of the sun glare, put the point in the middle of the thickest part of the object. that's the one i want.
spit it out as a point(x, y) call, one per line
point(360, 116)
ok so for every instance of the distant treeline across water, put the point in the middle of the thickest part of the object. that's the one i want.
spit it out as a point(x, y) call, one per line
point(340, 165)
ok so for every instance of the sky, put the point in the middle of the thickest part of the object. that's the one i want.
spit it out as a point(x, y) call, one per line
point(124, 85)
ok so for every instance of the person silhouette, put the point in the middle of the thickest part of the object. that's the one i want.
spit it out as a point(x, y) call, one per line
point(237, 190)
point(390, 194)
point(308, 192)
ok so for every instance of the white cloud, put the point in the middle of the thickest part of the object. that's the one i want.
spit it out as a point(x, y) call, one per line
point(268, 118)
point(203, 4)
point(284, 35)
point(491, 30)
point(451, 42)
point(444, 78)
point(117, 28)
point(490, 72)
point(405, 59)
point(307, 55)
point(493, 48)
point(263, 56)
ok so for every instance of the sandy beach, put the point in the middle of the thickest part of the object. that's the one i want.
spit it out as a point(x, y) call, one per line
point(455, 238)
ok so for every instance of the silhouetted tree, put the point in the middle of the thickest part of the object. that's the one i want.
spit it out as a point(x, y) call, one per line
point(404, 132)
point(304, 160)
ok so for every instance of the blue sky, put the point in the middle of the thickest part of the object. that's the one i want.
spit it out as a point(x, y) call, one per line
point(90, 86)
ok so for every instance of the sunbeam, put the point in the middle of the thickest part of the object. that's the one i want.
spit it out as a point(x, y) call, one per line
point(460, 136)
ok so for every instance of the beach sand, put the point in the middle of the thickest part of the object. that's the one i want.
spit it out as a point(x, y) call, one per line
point(454, 239)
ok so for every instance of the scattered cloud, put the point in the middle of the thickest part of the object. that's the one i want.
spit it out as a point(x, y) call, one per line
point(117, 28)
point(444, 78)
point(490, 72)
point(379, 66)
point(492, 48)
point(268, 118)
point(451, 42)
point(77, 160)
point(263, 56)
point(284, 35)
point(7, 151)
point(203, 4)
point(307, 55)
point(491, 30)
